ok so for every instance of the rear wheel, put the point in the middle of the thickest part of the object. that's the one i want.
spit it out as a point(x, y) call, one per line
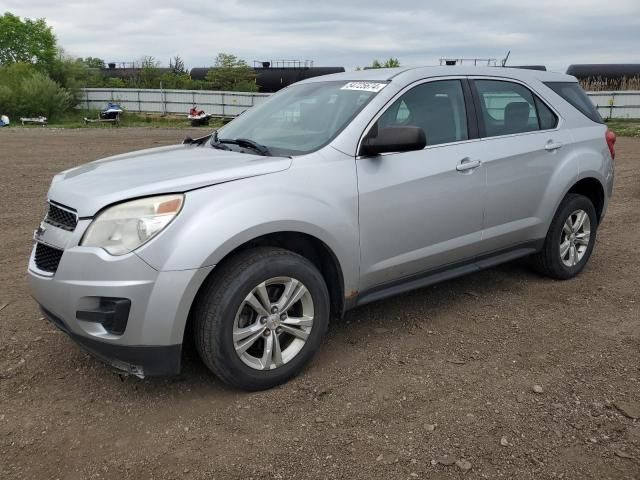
point(261, 318)
point(570, 239)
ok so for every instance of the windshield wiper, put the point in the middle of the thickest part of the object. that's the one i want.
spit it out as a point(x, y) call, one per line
point(245, 142)
point(219, 146)
point(215, 143)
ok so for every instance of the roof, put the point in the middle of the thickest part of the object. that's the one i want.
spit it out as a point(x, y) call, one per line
point(416, 73)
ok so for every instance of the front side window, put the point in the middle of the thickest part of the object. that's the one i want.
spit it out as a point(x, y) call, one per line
point(302, 118)
point(436, 107)
point(507, 108)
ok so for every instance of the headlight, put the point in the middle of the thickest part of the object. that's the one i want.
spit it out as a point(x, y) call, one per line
point(124, 227)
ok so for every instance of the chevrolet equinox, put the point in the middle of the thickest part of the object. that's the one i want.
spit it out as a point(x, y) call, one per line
point(337, 191)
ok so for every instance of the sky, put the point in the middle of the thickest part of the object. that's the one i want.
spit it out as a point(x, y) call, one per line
point(347, 33)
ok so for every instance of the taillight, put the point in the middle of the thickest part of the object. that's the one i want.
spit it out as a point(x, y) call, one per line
point(611, 142)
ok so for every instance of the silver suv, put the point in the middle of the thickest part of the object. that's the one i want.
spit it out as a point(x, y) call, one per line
point(337, 191)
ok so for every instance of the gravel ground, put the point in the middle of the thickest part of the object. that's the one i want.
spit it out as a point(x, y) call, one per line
point(501, 374)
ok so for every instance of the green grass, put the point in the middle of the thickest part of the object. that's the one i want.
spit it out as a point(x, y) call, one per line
point(625, 127)
point(75, 119)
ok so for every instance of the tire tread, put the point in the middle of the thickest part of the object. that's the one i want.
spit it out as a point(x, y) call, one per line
point(547, 261)
point(209, 306)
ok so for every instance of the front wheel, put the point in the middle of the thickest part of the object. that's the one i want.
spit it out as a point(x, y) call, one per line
point(570, 239)
point(261, 317)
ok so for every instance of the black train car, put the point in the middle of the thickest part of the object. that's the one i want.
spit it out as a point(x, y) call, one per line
point(128, 72)
point(607, 76)
point(608, 71)
point(272, 79)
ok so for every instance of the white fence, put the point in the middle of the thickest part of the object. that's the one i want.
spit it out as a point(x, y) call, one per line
point(218, 104)
point(620, 104)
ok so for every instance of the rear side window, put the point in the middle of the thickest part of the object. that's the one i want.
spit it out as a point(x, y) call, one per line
point(507, 108)
point(573, 94)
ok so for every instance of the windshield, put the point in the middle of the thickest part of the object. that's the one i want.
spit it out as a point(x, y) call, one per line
point(302, 118)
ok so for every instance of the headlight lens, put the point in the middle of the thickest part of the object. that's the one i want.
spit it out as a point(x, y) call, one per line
point(126, 226)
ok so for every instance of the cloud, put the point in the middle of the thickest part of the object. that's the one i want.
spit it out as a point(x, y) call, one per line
point(347, 33)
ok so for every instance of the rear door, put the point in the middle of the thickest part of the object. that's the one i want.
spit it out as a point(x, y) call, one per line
point(523, 145)
point(422, 210)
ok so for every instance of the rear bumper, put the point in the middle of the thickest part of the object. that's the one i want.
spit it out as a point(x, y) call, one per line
point(140, 360)
point(609, 180)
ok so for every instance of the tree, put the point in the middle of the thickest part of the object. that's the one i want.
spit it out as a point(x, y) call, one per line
point(176, 64)
point(180, 81)
point(69, 73)
point(24, 91)
point(231, 73)
point(147, 62)
point(26, 41)
point(93, 62)
point(392, 63)
point(111, 82)
point(36, 77)
point(148, 75)
point(389, 63)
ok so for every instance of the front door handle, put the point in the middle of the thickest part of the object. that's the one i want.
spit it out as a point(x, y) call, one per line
point(467, 164)
point(551, 146)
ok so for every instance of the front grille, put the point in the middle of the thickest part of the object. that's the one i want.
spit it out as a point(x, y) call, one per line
point(61, 218)
point(47, 258)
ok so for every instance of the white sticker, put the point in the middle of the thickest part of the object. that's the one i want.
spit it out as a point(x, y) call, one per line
point(364, 86)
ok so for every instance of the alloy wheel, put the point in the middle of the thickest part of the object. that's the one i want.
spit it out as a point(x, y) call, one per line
point(574, 239)
point(273, 323)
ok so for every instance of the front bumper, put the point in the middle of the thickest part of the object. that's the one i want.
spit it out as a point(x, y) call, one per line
point(142, 361)
point(159, 306)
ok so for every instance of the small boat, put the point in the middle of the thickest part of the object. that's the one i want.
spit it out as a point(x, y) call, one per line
point(111, 112)
point(198, 117)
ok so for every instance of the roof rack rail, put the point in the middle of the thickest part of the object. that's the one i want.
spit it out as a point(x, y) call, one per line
point(301, 64)
point(488, 62)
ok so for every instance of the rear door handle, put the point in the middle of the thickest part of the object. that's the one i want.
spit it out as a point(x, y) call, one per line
point(551, 146)
point(467, 164)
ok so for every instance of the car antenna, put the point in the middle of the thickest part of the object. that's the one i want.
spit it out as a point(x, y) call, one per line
point(504, 60)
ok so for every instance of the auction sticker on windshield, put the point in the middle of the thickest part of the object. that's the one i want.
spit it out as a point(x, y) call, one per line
point(364, 86)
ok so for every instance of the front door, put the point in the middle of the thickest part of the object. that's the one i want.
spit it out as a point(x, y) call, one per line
point(422, 210)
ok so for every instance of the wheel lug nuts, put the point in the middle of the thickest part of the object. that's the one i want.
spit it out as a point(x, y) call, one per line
point(274, 309)
point(267, 333)
point(278, 330)
point(283, 316)
point(263, 320)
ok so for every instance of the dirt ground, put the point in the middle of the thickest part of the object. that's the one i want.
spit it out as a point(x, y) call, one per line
point(402, 388)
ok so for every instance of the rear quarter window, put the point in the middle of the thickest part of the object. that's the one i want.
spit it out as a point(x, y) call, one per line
point(573, 94)
point(546, 118)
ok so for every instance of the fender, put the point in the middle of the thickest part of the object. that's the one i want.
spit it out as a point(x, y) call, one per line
point(218, 219)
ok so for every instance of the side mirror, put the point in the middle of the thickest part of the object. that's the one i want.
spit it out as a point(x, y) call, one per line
point(393, 139)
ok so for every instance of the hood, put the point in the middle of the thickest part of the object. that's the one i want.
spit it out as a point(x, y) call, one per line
point(177, 168)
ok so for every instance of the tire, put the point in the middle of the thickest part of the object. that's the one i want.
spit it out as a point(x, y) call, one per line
point(550, 261)
point(222, 306)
